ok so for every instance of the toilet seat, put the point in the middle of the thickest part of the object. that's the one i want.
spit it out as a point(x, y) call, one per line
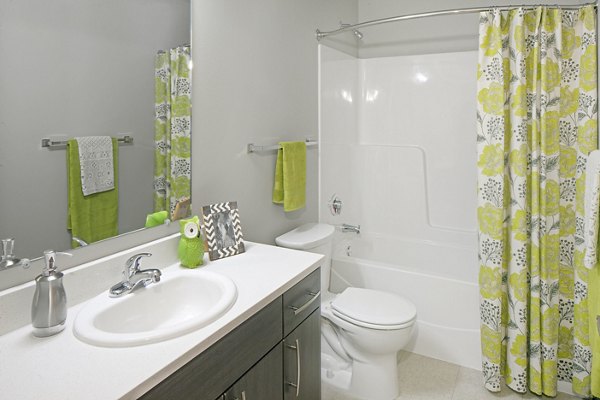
point(374, 309)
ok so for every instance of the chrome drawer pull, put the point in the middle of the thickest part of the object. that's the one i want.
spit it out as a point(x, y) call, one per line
point(298, 310)
point(297, 384)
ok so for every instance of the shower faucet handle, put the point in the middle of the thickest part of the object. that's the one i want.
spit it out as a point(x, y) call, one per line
point(335, 205)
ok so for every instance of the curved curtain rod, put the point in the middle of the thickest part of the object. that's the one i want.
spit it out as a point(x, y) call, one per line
point(347, 27)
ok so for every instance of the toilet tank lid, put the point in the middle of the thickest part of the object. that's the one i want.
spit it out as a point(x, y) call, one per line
point(306, 236)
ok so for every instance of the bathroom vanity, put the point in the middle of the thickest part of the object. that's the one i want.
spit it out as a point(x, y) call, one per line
point(266, 346)
point(247, 363)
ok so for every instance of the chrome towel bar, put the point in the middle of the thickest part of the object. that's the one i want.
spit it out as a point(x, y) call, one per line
point(253, 148)
point(61, 143)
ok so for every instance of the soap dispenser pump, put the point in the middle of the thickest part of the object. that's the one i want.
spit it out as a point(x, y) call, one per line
point(49, 306)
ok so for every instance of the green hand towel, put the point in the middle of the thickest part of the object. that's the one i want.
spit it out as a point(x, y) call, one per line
point(290, 176)
point(94, 217)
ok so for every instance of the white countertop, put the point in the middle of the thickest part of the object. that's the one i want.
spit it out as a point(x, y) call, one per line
point(62, 367)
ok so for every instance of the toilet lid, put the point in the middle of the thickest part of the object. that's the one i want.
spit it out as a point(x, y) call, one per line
point(374, 309)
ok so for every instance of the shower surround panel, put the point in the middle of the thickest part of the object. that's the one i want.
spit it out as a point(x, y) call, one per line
point(397, 145)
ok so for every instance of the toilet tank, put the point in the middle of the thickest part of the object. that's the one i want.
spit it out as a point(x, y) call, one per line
point(314, 238)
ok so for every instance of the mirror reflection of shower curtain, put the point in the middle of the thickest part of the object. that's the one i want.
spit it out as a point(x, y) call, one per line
point(172, 127)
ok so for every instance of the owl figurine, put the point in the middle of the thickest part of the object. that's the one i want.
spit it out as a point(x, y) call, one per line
point(191, 247)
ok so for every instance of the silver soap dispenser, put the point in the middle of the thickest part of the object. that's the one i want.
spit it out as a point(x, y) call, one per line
point(49, 307)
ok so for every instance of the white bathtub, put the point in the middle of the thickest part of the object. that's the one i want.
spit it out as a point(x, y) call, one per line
point(440, 279)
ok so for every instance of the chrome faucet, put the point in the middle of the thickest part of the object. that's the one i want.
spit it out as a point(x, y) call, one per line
point(134, 277)
point(80, 242)
point(351, 228)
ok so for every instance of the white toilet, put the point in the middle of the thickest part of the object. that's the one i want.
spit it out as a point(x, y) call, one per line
point(361, 329)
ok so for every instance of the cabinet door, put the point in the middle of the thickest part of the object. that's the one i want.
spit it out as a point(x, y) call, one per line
point(302, 360)
point(261, 382)
point(214, 370)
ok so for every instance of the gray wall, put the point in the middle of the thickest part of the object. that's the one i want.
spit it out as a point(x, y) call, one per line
point(428, 35)
point(77, 68)
point(255, 80)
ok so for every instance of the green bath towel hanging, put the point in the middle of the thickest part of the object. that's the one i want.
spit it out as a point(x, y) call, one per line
point(290, 176)
point(94, 217)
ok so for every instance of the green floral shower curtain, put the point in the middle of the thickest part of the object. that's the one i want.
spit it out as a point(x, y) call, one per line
point(537, 122)
point(172, 125)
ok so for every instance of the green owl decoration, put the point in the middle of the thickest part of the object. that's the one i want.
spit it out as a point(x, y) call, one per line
point(191, 246)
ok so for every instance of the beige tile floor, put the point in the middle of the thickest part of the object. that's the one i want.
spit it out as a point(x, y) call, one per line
point(423, 378)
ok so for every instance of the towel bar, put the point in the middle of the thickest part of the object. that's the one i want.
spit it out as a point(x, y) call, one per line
point(60, 143)
point(253, 148)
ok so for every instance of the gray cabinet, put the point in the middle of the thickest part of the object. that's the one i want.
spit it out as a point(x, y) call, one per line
point(302, 360)
point(263, 381)
point(262, 359)
point(213, 371)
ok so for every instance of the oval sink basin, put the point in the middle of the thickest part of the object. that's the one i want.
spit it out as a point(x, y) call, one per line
point(181, 302)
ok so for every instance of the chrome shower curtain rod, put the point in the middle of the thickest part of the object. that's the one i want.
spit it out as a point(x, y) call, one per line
point(347, 27)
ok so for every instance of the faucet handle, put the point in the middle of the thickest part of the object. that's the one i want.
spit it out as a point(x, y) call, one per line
point(132, 265)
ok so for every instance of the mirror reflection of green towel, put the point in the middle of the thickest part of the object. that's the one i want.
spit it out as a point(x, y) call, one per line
point(156, 219)
point(94, 217)
point(290, 176)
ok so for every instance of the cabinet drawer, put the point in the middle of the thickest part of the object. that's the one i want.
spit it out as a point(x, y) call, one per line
point(301, 300)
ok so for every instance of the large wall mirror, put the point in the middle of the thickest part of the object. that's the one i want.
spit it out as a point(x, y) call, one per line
point(73, 68)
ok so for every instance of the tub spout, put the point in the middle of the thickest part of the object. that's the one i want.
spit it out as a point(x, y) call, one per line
point(351, 228)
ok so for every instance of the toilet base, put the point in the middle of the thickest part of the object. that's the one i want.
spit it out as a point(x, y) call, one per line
point(335, 373)
point(376, 380)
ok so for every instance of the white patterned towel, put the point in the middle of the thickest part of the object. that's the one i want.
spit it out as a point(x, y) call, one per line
point(592, 208)
point(97, 165)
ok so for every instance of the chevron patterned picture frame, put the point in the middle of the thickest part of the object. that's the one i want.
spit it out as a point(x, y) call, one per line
point(223, 230)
